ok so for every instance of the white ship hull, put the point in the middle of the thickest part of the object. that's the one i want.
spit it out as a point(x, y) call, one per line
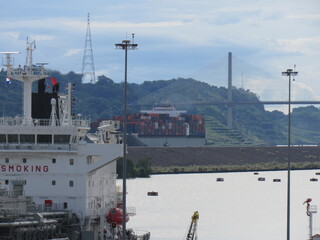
point(55, 183)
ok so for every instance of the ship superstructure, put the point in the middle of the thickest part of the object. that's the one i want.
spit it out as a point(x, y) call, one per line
point(47, 163)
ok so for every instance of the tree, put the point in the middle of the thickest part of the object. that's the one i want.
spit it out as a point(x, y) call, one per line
point(143, 167)
point(131, 173)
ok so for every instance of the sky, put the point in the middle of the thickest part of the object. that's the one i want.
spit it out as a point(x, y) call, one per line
point(175, 39)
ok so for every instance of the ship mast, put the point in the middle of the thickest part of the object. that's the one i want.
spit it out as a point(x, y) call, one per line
point(27, 74)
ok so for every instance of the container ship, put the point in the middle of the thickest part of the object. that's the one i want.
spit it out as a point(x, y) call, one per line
point(54, 182)
point(165, 126)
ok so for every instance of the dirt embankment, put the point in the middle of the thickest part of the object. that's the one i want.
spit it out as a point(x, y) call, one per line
point(205, 156)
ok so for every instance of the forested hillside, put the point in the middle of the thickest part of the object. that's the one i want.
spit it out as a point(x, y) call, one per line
point(252, 124)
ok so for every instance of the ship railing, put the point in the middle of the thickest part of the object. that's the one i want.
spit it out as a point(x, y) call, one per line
point(131, 211)
point(139, 235)
point(10, 121)
point(17, 121)
point(75, 123)
point(28, 146)
point(44, 122)
point(81, 123)
point(11, 193)
point(48, 122)
point(313, 209)
point(54, 207)
point(15, 211)
point(35, 70)
point(63, 147)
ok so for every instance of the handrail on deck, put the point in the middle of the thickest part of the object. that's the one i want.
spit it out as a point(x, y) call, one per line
point(18, 121)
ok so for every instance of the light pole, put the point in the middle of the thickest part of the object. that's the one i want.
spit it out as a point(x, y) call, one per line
point(125, 45)
point(289, 73)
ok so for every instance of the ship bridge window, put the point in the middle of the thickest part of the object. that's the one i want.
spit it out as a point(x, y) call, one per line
point(41, 138)
point(3, 138)
point(26, 138)
point(13, 138)
point(71, 161)
point(62, 139)
point(90, 159)
point(70, 183)
point(74, 139)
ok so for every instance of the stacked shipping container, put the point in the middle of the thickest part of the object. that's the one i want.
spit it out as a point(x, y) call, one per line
point(154, 124)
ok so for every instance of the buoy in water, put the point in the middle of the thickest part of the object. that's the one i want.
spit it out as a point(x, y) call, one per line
point(152, 193)
point(220, 179)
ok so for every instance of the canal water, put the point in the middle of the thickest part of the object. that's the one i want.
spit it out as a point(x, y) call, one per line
point(238, 208)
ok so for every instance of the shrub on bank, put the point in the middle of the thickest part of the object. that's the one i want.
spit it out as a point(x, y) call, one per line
point(268, 166)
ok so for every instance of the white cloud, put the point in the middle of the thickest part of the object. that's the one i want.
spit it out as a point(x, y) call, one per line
point(305, 45)
point(42, 37)
point(267, 89)
point(71, 52)
point(281, 108)
point(12, 35)
point(176, 37)
point(164, 24)
point(104, 72)
point(304, 16)
point(301, 91)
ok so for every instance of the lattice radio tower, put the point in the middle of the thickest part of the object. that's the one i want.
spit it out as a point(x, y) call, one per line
point(88, 73)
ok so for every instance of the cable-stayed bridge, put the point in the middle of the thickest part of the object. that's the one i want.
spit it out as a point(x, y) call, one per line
point(252, 103)
point(244, 74)
point(230, 103)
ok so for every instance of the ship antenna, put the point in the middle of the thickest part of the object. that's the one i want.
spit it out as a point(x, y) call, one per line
point(9, 61)
point(27, 75)
point(31, 46)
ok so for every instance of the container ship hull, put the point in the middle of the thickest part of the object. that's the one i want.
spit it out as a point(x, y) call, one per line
point(165, 126)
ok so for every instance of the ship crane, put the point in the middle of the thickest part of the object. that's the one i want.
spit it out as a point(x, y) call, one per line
point(192, 232)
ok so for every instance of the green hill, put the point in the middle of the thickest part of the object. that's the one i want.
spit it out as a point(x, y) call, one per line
point(252, 124)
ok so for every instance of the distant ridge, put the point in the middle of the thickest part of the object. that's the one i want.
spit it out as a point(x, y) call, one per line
point(252, 125)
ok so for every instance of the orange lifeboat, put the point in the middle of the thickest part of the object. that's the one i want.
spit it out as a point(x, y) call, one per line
point(115, 216)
